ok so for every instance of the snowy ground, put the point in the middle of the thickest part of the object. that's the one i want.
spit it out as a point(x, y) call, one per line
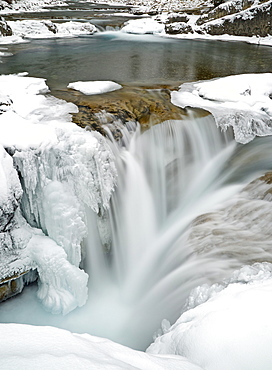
point(231, 328)
point(26, 347)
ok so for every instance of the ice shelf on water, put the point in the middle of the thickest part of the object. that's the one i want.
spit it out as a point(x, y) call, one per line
point(241, 101)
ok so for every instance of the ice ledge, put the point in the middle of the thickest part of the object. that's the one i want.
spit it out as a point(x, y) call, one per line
point(243, 102)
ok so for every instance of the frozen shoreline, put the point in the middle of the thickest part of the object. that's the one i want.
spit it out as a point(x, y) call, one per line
point(153, 24)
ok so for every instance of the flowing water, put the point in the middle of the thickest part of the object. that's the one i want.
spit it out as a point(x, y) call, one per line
point(168, 176)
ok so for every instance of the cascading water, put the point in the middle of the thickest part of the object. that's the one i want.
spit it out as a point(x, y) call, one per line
point(141, 267)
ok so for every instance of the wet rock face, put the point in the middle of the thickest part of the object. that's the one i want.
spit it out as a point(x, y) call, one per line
point(146, 106)
point(5, 29)
point(14, 285)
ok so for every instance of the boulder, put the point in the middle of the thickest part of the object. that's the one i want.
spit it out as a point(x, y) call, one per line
point(177, 28)
point(5, 29)
point(177, 17)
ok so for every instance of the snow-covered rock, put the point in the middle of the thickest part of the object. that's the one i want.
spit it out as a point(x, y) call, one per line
point(241, 101)
point(255, 20)
point(143, 26)
point(231, 330)
point(5, 29)
point(45, 28)
point(94, 87)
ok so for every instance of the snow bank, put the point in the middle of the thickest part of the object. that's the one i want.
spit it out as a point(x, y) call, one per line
point(63, 169)
point(26, 346)
point(143, 26)
point(231, 330)
point(94, 87)
point(241, 101)
point(46, 29)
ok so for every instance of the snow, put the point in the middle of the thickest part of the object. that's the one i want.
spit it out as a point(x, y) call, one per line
point(29, 5)
point(155, 25)
point(64, 170)
point(22, 29)
point(241, 101)
point(94, 87)
point(231, 330)
point(26, 346)
point(143, 26)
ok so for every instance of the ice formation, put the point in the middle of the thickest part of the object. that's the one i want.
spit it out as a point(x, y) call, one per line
point(241, 101)
point(94, 87)
point(64, 170)
point(231, 330)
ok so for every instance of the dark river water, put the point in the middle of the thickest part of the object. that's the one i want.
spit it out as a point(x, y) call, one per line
point(130, 59)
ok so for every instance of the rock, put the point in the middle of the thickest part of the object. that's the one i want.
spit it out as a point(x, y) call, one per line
point(255, 21)
point(13, 285)
point(225, 9)
point(5, 103)
point(51, 26)
point(146, 106)
point(177, 17)
point(5, 29)
point(177, 28)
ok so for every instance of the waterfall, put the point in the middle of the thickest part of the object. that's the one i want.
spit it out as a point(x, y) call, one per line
point(139, 257)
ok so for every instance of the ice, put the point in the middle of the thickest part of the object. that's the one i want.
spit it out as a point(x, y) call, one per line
point(62, 286)
point(64, 170)
point(94, 87)
point(241, 101)
point(231, 330)
point(10, 188)
point(26, 346)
